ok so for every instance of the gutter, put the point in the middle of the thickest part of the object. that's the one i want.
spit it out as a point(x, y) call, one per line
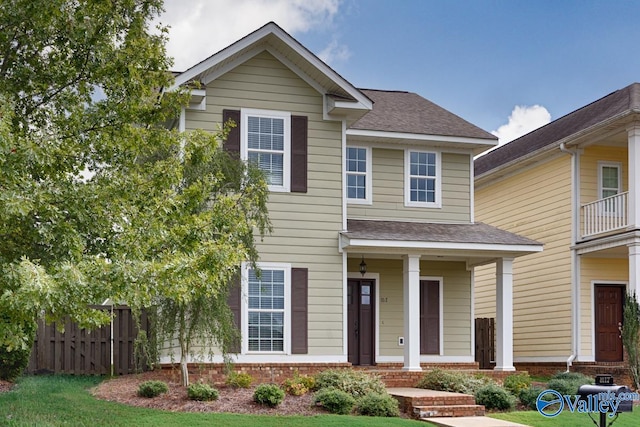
point(575, 262)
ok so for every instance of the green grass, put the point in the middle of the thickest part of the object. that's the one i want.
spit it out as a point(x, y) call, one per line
point(65, 401)
point(567, 419)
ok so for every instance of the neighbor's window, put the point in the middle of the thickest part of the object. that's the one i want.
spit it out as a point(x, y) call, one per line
point(266, 310)
point(266, 143)
point(422, 179)
point(358, 165)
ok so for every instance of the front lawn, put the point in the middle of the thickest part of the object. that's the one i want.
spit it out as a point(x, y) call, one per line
point(568, 419)
point(66, 401)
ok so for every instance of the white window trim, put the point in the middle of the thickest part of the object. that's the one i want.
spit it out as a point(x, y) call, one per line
point(440, 281)
point(602, 165)
point(287, 306)
point(286, 161)
point(368, 178)
point(407, 180)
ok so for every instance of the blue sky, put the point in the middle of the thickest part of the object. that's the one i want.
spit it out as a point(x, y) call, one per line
point(478, 59)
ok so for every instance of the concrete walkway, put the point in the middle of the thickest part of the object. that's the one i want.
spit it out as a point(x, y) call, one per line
point(472, 422)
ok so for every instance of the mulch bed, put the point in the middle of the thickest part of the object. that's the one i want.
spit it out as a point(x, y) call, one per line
point(5, 386)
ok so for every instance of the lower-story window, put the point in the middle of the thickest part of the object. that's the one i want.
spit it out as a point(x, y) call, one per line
point(267, 293)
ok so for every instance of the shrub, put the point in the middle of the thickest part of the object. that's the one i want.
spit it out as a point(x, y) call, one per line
point(517, 382)
point(268, 394)
point(378, 405)
point(452, 381)
point(13, 363)
point(239, 380)
point(298, 385)
point(356, 383)
point(152, 388)
point(528, 396)
point(203, 392)
point(492, 396)
point(334, 400)
point(568, 382)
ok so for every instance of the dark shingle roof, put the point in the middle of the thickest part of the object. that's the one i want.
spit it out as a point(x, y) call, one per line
point(614, 104)
point(431, 232)
point(397, 111)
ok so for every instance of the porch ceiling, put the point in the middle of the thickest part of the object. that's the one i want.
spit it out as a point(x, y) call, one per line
point(476, 243)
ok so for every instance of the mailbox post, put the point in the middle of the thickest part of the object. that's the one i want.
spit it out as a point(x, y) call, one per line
point(605, 387)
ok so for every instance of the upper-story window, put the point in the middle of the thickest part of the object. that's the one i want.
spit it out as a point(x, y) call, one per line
point(422, 179)
point(266, 141)
point(358, 165)
point(609, 184)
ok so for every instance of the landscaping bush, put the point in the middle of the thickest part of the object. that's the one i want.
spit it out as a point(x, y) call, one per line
point(152, 388)
point(334, 400)
point(568, 382)
point(378, 405)
point(13, 363)
point(239, 380)
point(356, 383)
point(268, 394)
point(492, 396)
point(202, 392)
point(298, 385)
point(528, 396)
point(452, 381)
point(516, 383)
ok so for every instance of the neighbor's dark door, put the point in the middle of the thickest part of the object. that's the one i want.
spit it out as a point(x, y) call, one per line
point(361, 320)
point(608, 318)
point(429, 317)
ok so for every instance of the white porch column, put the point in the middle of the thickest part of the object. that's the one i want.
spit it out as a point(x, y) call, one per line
point(411, 291)
point(633, 136)
point(634, 268)
point(504, 314)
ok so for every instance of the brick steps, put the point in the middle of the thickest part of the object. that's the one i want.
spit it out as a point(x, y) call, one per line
point(420, 404)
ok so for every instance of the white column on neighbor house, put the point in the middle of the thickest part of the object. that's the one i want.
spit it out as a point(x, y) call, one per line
point(504, 315)
point(633, 138)
point(634, 268)
point(411, 291)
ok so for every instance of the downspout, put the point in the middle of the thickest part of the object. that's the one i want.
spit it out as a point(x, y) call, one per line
point(575, 288)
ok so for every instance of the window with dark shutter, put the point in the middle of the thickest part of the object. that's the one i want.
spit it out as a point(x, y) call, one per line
point(232, 144)
point(235, 301)
point(299, 316)
point(299, 154)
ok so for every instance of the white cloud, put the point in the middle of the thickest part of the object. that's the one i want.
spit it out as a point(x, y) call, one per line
point(523, 119)
point(334, 52)
point(200, 28)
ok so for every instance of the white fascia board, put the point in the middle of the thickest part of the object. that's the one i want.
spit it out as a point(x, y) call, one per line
point(347, 242)
point(420, 137)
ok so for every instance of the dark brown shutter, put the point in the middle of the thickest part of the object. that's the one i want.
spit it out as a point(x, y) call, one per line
point(235, 304)
point(299, 154)
point(232, 144)
point(429, 317)
point(299, 294)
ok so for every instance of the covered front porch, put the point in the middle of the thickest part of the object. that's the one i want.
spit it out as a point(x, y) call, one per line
point(409, 285)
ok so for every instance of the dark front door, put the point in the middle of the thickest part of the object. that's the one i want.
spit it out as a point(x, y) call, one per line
point(429, 317)
point(608, 318)
point(361, 319)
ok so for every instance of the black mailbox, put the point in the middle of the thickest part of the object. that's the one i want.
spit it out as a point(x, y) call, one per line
point(603, 391)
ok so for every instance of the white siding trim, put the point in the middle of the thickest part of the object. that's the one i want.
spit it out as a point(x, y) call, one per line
point(345, 319)
point(344, 185)
point(472, 197)
point(421, 137)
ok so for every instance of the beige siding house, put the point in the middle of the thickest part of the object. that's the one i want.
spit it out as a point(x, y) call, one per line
point(374, 241)
point(574, 186)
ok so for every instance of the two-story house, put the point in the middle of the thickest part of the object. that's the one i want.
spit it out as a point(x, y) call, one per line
point(574, 185)
point(371, 200)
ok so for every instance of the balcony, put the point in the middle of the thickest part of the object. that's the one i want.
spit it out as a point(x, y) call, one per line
point(605, 215)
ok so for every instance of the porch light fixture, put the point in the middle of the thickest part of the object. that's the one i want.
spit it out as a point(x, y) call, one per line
point(363, 267)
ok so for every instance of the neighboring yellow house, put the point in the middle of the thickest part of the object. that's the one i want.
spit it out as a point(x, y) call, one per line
point(374, 240)
point(573, 185)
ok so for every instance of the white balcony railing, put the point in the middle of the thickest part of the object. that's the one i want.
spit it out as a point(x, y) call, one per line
point(605, 215)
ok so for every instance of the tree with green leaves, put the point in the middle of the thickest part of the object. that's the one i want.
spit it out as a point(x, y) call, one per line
point(99, 198)
point(630, 333)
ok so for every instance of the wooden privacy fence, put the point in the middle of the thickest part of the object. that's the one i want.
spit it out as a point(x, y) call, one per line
point(485, 342)
point(82, 352)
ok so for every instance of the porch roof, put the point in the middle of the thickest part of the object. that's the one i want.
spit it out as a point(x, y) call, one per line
point(468, 240)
